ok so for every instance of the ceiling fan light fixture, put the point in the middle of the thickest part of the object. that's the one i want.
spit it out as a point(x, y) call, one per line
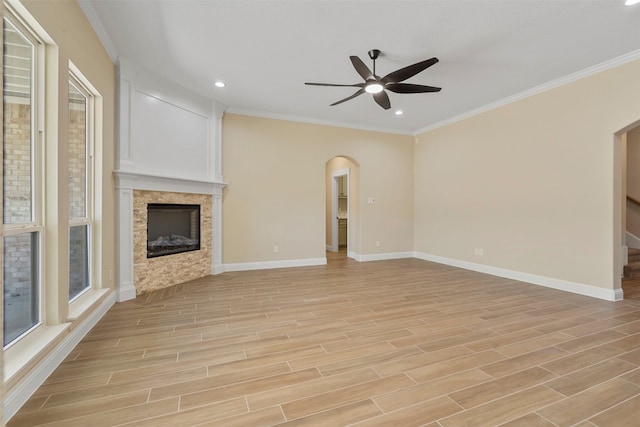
point(377, 86)
point(631, 2)
point(219, 84)
point(373, 87)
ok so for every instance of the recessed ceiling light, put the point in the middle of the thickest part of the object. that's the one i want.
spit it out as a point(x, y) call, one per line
point(631, 2)
point(399, 112)
point(219, 84)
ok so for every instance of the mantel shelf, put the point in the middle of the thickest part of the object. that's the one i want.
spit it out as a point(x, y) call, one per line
point(145, 181)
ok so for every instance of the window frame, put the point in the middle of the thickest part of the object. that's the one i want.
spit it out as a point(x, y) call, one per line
point(81, 84)
point(36, 224)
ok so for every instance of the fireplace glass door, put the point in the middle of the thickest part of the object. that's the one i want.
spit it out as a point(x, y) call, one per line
point(172, 229)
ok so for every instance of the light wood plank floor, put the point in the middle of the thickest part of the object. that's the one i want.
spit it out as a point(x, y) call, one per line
point(388, 343)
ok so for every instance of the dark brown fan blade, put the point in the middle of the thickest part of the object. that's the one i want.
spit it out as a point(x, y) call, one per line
point(360, 92)
point(409, 71)
point(410, 88)
point(362, 69)
point(336, 85)
point(382, 99)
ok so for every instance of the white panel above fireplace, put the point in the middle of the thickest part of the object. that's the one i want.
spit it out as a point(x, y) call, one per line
point(170, 140)
point(165, 129)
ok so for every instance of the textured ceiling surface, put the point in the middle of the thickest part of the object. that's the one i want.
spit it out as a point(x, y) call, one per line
point(265, 50)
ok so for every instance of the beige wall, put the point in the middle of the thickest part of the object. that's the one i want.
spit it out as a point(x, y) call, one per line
point(633, 182)
point(277, 188)
point(531, 182)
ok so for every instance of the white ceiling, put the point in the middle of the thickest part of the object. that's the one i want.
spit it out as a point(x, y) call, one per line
point(489, 50)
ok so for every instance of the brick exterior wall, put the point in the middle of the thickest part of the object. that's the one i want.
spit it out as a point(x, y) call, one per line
point(77, 161)
point(17, 160)
point(17, 195)
point(156, 273)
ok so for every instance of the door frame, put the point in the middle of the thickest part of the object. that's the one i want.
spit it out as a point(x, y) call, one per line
point(620, 247)
point(334, 208)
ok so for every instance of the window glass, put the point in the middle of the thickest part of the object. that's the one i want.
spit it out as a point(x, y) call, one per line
point(79, 184)
point(77, 153)
point(21, 296)
point(78, 260)
point(18, 126)
point(22, 234)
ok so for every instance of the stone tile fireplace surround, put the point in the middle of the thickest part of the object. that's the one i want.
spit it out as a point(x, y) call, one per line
point(150, 274)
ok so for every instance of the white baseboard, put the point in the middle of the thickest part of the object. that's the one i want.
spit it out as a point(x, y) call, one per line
point(633, 241)
point(217, 269)
point(19, 394)
point(126, 292)
point(266, 265)
point(549, 282)
point(383, 256)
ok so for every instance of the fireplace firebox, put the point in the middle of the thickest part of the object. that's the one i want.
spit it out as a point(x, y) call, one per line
point(172, 229)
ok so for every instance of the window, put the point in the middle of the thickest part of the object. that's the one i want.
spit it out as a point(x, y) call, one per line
point(80, 184)
point(21, 214)
point(51, 196)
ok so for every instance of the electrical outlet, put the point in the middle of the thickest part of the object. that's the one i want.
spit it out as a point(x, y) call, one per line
point(276, 249)
point(371, 200)
point(377, 243)
point(478, 251)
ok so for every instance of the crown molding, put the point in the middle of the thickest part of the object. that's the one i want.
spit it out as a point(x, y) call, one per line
point(607, 65)
point(98, 27)
point(297, 119)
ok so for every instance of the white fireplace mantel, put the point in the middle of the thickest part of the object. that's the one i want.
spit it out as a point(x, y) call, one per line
point(126, 183)
point(142, 181)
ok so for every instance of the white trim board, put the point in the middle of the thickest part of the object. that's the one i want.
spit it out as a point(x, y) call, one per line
point(18, 396)
point(96, 23)
point(313, 121)
point(633, 241)
point(382, 256)
point(549, 282)
point(267, 265)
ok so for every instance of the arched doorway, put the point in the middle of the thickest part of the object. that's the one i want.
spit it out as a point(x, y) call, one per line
point(342, 208)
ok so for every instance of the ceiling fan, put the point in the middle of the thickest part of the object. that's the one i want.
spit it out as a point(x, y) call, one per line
point(376, 85)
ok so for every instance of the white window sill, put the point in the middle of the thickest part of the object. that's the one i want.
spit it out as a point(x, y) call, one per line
point(30, 349)
point(84, 302)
